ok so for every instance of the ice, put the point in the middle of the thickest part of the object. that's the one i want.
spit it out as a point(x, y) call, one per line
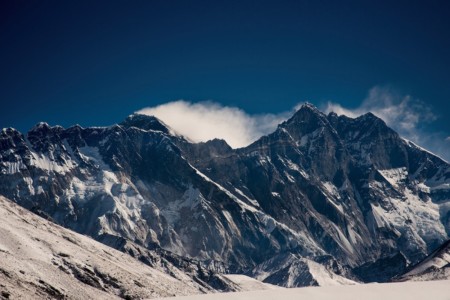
point(13, 167)
point(394, 176)
point(252, 201)
point(92, 154)
point(334, 193)
point(411, 212)
point(190, 199)
point(48, 164)
point(331, 188)
point(231, 222)
point(289, 177)
point(242, 204)
point(343, 241)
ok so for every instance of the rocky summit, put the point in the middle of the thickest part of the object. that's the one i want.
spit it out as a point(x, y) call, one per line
point(322, 198)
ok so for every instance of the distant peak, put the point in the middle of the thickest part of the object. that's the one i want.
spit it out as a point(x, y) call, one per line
point(138, 116)
point(44, 127)
point(369, 115)
point(41, 125)
point(9, 129)
point(308, 106)
point(306, 111)
point(145, 122)
point(7, 132)
point(75, 127)
point(218, 142)
point(372, 118)
point(305, 120)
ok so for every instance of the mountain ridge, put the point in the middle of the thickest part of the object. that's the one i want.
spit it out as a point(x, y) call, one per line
point(318, 185)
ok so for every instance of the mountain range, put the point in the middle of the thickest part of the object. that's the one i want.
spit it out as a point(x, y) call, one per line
point(324, 199)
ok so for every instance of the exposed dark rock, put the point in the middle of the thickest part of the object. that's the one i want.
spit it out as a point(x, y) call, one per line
point(319, 185)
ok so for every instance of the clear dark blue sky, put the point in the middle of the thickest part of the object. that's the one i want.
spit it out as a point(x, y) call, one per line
point(69, 62)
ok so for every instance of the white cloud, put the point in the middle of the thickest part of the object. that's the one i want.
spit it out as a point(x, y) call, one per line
point(204, 121)
point(407, 115)
point(401, 112)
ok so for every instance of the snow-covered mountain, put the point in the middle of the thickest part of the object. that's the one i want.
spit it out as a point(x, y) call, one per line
point(41, 260)
point(290, 270)
point(335, 195)
point(435, 266)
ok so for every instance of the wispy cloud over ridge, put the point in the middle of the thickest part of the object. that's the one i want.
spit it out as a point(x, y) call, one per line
point(409, 116)
point(204, 121)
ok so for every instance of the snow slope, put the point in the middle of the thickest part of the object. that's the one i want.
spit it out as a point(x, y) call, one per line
point(39, 259)
point(435, 266)
point(250, 284)
point(436, 290)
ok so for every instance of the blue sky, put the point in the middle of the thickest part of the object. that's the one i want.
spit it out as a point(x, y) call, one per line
point(68, 62)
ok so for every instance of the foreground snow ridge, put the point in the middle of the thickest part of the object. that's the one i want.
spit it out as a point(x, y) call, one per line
point(436, 290)
point(41, 260)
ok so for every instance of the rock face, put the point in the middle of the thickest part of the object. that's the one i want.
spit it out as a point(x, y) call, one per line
point(290, 270)
point(435, 266)
point(383, 269)
point(319, 186)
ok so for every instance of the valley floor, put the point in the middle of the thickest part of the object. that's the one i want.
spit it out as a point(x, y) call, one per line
point(432, 290)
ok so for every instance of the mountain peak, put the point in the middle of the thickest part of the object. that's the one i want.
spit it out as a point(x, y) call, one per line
point(43, 128)
point(310, 109)
point(305, 120)
point(307, 114)
point(309, 106)
point(145, 122)
point(40, 126)
point(369, 115)
point(8, 131)
point(372, 119)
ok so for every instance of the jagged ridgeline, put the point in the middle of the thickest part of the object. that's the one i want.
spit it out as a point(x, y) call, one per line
point(332, 196)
